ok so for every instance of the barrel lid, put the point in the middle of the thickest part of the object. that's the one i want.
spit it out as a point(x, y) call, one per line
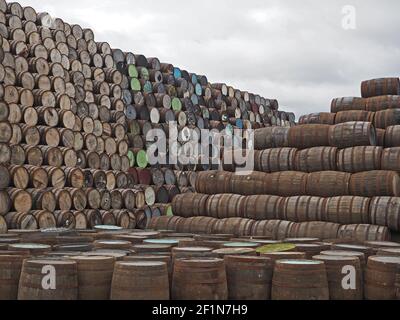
point(8, 240)
point(107, 227)
point(334, 258)
point(178, 235)
point(381, 244)
point(192, 249)
point(152, 246)
point(135, 84)
point(301, 240)
point(198, 262)
point(385, 259)
point(240, 244)
point(254, 259)
point(113, 242)
point(56, 230)
point(145, 233)
point(161, 241)
point(51, 262)
point(92, 258)
point(228, 251)
point(29, 246)
point(280, 247)
point(141, 159)
point(395, 251)
point(265, 242)
point(352, 246)
point(22, 231)
point(142, 263)
point(117, 254)
point(342, 253)
point(299, 262)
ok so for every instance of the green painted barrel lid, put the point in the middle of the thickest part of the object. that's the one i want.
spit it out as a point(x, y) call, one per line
point(170, 213)
point(198, 89)
point(141, 159)
point(279, 247)
point(107, 227)
point(176, 104)
point(147, 87)
point(161, 241)
point(132, 71)
point(144, 74)
point(241, 244)
point(135, 84)
point(300, 262)
point(131, 157)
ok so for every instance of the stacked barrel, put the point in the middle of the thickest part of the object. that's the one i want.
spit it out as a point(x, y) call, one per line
point(332, 176)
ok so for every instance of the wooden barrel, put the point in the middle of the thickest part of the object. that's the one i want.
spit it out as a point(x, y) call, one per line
point(381, 287)
point(328, 184)
point(224, 206)
point(380, 103)
point(347, 210)
point(261, 207)
point(270, 137)
point(354, 115)
point(363, 232)
point(315, 229)
point(387, 118)
point(347, 103)
point(212, 182)
point(233, 251)
point(351, 134)
point(384, 211)
point(275, 256)
point(94, 276)
point(347, 253)
point(199, 279)
point(65, 282)
point(148, 257)
point(10, 271)
point(302, 209)
point(299, 280)
point(392, 136)
point(286, 183)
point(335, 265)
point(141, 280)
point(20, 199)
point(274, 160)
point(359, 159)
point(308, 136)
point(390, 159)
point(249, 184)
point(45, 219)
point(311, 249)
point(272, 229)
point(248, 278)
point(316, 159)
point(375, 183)
point(318, 118)
point(380, 87)
point(19, 176)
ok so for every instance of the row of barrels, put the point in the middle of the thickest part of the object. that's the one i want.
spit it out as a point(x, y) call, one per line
point(71, 219)
point(383, 211)
point(234, 277)
point(352, 160)
point(271, 229)
point(293, 183)
point(343, 135)
point(67, 198)
point(380, 119)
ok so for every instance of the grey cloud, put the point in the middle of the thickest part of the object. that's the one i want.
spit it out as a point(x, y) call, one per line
point(295, 51)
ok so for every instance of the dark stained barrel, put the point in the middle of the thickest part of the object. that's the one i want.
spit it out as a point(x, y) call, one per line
point(363, 232)
point(199, 279)
point(380, 103)
point(248, 278)
point(328, 184)
point(359, 159)
point(387, 118)
point(351, 134)
point(316, 159)
point(380, 87)
point(318, 118)
point(348, 103)
point(300, 280)
point(392, 136)
point(10, 271)
point(307, 136)
point(384, 211)
point(31, 281)
point(375, 183)
point(140, 280)
point(347, 210)
point(354, 115)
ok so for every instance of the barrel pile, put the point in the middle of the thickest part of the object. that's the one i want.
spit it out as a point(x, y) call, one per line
point(120, 264)
point(74, 115)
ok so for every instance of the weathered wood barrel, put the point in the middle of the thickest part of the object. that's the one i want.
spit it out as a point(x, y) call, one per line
point(381, 287)
point(347, 210)
point(347, 253)
point(189, 205)
point(318, 118)
point(380, 103)
point(10, 271)
point(302, 209)
point(274, 160)
point(387, 118)
point(380, 87)
point(94, 276)
point(248, 278)
point(347, 103)
point(308, 136)
point(336, 268)
point(390, 159)
point(311, 249)
point(316, 159)
point(363, 232)
point(354, 115)
point(140, 280)
point(299, 280)
point(272, 229)
point(292, 255)
point(285, 183)
point(328, 184)
point(224, 206)
point(212, 182)
point(392, 136)
point(384, 211)
point(351, 134)
point(359, 159)
point(261, 207)
point(63, 287)
point(199, 279)
point(314, 229)
point(375, 183)
point(271, 137)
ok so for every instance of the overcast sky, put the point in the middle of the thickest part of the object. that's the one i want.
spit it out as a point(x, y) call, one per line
point(295, 51)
